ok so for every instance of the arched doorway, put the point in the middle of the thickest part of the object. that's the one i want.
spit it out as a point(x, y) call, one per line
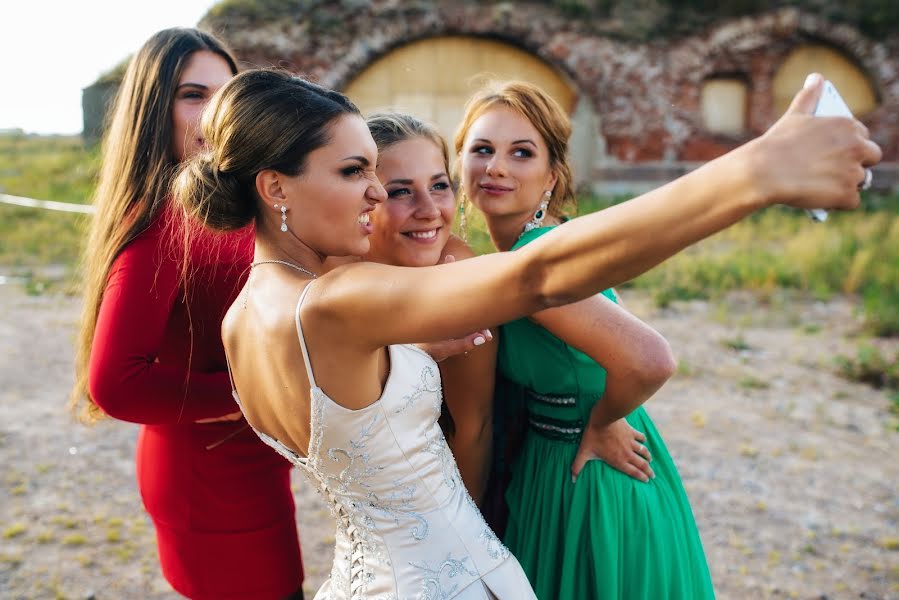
point(853, 84)
point(433, 78)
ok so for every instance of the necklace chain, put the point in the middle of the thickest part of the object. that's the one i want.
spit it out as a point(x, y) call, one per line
point(286, 263)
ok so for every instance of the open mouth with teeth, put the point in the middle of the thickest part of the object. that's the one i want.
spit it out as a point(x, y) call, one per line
point(363, 219)
point(430, 234)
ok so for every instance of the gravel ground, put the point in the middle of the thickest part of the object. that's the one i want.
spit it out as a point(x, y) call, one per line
point(791, 470)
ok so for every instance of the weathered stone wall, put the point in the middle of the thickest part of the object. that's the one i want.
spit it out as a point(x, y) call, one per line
point(646, 94)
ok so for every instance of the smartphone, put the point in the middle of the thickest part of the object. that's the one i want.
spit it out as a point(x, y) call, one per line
point(830, 104)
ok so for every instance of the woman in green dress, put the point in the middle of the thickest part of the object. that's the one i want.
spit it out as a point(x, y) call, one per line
point(596, 508)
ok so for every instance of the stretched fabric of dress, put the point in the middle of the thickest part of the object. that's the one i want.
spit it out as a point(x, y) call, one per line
point(607, 536)
point(406, 526)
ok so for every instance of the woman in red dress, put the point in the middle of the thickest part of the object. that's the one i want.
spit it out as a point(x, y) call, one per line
point(150, 348)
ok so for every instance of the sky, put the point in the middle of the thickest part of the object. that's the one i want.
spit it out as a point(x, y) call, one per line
point(51, 49)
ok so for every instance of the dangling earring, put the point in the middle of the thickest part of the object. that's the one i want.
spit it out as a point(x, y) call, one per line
point(283, 218)
point(537, 220)
point(463, 224)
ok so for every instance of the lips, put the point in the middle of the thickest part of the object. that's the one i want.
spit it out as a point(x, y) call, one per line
point(493, 188)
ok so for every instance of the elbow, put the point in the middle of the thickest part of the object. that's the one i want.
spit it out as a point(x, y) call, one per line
point(106, 391)
point(103, 394)
point(658, 364)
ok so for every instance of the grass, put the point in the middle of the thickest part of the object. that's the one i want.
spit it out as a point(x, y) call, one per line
point(779, 248)
point(872, 366)
point(47, 168)
point(853, 253)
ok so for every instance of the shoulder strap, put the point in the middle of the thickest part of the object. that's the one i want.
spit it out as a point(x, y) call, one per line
point(302, 339)
point(231, 379)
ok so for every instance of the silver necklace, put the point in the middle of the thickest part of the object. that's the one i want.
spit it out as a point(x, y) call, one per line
point(284, 262)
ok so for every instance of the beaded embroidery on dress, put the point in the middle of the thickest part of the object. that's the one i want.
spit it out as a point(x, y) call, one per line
point(406, 526)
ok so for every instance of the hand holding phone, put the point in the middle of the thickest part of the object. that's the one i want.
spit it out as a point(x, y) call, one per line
point(830, 104)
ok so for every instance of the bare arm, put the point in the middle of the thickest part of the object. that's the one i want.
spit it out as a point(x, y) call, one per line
point(637, 359)
point(803, 161)
point(468, 381)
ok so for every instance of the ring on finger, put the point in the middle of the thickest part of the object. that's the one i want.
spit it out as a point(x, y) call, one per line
point(866, 182)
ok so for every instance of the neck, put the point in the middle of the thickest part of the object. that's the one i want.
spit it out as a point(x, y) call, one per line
point(289, 248)
point(505, 231)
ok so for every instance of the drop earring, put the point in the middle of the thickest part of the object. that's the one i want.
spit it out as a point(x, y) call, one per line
point(540, 214)
point(463, 225)
point(283, 218)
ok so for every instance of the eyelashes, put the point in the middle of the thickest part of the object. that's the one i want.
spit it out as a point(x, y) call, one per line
point(517, 152)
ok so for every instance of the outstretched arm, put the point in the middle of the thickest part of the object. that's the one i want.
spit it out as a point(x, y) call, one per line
point(803, 161)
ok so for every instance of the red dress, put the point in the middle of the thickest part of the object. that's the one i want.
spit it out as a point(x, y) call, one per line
point(219, 498)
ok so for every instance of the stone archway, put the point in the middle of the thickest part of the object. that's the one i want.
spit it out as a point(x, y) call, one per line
point(434, 77)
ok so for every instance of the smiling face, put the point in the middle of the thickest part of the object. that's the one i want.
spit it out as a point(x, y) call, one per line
point(330, 202)
point(505, 165)
point(204, 73)
point(412, 226)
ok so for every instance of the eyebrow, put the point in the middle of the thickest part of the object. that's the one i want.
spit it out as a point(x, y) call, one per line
point(192, 84)
point(524, 141)
point(365, 162)
point(410, 182)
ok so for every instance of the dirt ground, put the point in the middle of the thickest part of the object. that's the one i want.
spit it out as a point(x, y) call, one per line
point(792, 471)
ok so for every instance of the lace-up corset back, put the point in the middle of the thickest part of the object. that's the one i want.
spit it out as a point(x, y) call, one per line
point(406, 526)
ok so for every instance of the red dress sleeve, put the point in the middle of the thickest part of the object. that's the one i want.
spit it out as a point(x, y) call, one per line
point(126, 378)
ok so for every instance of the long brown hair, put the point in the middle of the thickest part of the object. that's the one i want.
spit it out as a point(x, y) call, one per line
point(135, 174)
point(547, 117)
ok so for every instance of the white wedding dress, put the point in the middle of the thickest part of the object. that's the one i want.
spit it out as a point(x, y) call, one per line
point(406, 526)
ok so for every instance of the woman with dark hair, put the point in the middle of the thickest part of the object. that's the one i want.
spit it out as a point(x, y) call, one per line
point(360, 416)
point(150, 351)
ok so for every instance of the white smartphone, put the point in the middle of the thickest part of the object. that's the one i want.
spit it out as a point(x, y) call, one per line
point(830, 104)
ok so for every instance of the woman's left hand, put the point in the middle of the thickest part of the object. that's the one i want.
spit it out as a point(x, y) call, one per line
point(619, 445)
point(440, 351)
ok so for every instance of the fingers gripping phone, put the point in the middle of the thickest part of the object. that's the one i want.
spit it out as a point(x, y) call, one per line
point(830, 104)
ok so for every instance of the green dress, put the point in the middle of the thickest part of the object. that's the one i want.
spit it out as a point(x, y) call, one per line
point(606, 536)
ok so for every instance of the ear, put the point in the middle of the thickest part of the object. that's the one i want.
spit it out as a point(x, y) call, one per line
point(269, 186)
point(551, 180)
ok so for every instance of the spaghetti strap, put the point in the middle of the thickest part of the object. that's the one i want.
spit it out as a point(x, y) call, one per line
point(231, 379)
point(302, 339)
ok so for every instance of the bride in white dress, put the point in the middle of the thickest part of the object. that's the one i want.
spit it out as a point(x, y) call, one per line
point(361, 418)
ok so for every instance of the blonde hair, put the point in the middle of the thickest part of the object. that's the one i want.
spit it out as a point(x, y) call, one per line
point(136, 170)
point(547, 117)
point(392, 128)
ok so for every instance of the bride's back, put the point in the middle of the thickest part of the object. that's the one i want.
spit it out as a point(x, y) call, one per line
point(263, 350)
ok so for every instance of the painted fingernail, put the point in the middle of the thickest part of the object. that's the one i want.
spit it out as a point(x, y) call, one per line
point(489, 334)
point(573, 478)
point(478, 341)
point(811, 80)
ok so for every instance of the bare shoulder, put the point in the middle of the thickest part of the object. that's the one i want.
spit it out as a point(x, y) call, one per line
point(457, 247)
point(264, 311)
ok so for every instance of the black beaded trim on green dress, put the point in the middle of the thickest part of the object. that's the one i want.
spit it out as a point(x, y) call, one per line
point(556, 429)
